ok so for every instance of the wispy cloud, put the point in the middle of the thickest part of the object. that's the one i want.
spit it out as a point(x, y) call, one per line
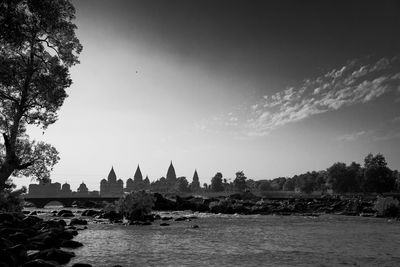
point(352, 136)
point(356, 82)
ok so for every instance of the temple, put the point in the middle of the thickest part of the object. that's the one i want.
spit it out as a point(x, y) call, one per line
point(111, 187)
point(49, 189)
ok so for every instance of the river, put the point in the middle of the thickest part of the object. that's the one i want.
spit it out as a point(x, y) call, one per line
point(239, 240)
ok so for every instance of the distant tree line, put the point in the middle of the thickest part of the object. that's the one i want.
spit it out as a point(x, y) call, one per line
point(373, 177)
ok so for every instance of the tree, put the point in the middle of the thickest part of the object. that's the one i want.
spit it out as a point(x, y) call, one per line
point(216, 183)
point(264, 185)
point(136, 205)
point(377, 176)
point(38, 46)
point(182, 185)
point(240, 181)
point(288, 185)
point(344, 178)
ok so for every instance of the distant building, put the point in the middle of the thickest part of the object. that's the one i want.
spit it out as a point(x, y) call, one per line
point(111, 187)
point(44, 189)
point(66, 189)
point(171, 176)
point(82, 189)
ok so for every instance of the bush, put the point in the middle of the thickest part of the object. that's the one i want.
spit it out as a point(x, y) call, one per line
point(11, 201)
point(387, 207)
point(136, 205)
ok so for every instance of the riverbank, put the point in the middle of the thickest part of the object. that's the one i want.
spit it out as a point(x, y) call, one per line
point(28, 240)
point(247, 204)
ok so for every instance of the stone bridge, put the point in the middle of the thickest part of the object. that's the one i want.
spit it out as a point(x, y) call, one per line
point(40, 202)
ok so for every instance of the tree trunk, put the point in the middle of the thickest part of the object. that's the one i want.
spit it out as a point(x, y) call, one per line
point(7, 168)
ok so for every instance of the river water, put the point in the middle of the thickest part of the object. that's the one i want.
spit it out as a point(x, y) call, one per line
point(235, 240)
point(244, 240)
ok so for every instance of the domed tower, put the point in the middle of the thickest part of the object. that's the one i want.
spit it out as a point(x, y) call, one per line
point(82, 189)
point(66, 188)
point(129, 185)
point(171, 175)
point(103, 187)
point(112, 177)
point(120, 187)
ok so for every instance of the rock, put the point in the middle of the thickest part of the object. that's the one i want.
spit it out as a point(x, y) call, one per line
point(33, 213)
point(195, 226)
point(31, 220)
point(164, 224)
point(81, 265)
point(90, 213)
point(166, 218)
point(40, 263)
point(139, 223)
point(181, 219)
point(62, 222)
point(67, 215)
point(71, 244)
point(62, 212)
point(18, 238)
point(6, 217)
point(57, 255)
point(76, 221)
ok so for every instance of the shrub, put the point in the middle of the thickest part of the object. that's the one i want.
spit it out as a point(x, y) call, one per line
point(136, 205)
point(11, 200)
point(387, 206)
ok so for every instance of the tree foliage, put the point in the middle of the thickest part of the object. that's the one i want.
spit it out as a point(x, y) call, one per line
point(377, 176)
point(344, 178)
point(240, 181)
point(216, 183)
point(136, 205)
point(38, 46)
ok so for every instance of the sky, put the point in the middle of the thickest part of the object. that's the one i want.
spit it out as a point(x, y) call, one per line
point(273, 88)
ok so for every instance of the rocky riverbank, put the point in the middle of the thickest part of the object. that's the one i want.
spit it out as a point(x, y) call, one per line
point(247, 203)
point(28, 241)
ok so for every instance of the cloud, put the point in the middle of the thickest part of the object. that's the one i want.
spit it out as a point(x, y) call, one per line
point(352, 136)
point(354, 83)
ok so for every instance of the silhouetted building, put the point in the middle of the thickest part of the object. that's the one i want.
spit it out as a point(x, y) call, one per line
point(45, 189)
point(171, 176)
point(195, 185)
point(82, 189)
point(66, 189)
point(111, 187)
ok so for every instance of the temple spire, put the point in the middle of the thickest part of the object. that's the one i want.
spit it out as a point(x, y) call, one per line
point(138, 175)
point(112, 176)
point(171, 175)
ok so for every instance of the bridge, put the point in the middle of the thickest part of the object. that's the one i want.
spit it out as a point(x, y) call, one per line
point(40, 202)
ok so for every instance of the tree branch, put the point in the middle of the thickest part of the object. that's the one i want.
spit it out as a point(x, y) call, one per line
point(24, 165)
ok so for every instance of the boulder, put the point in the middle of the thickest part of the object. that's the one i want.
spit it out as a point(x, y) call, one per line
point(6, 217)
point(31, 220)
point(195, 226)
point(71, 244)
point(179, 219)
point(57, 255)
point(67, 215)
point(62, 212)
point(90, 213)
point(40, 263)
point(18, 238)
point(76, 221)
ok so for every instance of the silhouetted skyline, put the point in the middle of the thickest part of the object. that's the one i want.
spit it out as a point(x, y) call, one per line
point(223, 86)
